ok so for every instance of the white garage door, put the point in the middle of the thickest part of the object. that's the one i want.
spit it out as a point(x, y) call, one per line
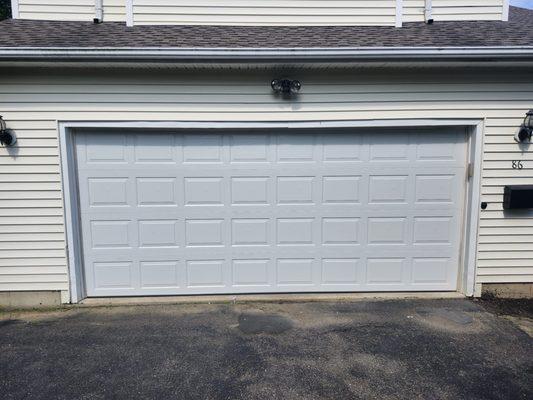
point(172, 213)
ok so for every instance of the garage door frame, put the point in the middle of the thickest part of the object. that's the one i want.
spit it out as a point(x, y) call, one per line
point(474, 128)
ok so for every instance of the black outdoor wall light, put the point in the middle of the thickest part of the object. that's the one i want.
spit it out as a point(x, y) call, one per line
point(286, 87)
point(6, 137)
point(526, 130)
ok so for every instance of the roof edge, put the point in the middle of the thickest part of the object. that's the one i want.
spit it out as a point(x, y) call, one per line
point(287, 55)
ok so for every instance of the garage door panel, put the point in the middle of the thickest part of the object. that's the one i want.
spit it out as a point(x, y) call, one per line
point(195, 213)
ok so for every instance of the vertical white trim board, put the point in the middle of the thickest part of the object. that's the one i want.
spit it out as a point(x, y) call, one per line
point(15, 9)
point(399, 13)
point(467, 268)
point(505, 10)
point(129, 12)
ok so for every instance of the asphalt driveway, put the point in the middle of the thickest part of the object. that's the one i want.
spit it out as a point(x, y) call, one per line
point(405, 349)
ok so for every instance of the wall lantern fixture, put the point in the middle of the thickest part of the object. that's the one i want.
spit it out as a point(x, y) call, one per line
point(526, 130)
point(286, 87)
point(6, 137)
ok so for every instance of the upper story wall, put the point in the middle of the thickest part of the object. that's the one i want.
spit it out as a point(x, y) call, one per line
point(456, 10)
point(262, 12)
point(68, 10)
point(265, 12)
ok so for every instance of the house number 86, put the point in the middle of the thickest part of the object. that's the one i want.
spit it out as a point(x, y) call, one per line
point(517, 164)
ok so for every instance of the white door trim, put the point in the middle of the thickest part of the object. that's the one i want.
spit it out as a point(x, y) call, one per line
point(475, 128)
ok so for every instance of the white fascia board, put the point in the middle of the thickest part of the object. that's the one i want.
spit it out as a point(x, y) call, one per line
point(15, 9)
point(251, 55)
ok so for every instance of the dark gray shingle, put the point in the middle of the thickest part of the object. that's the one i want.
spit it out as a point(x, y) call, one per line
point(27, 33)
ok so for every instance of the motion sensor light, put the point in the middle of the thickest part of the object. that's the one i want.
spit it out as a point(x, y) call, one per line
point(286, 87)
point(6, 137)
point(526, 129)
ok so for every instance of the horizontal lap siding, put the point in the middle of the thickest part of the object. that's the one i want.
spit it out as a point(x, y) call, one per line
point(262, 12)
point(454, 10)
point(114, 10)
point(70, 10)
point(32, 245)
point(265, 12)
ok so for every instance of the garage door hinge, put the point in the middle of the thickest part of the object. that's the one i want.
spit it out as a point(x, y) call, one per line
point(470, 170)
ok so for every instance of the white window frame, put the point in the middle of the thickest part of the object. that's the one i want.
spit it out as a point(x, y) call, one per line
point(475, 129)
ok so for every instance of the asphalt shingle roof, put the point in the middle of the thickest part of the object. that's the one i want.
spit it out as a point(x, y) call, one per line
point(31, 33)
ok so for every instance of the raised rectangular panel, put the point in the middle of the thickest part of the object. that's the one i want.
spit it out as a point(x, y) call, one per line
point(204, 232)
point(342, 147)
point(391, 147)
point(387, 189)
point(159, 274)
point(107, 192)
point(340, 271)
point(154, 148)
point(250, 272)
point(108, 275)
point(109, 234)
point(249, 190)
point(156, 191)
point(203, 191)
point(249, 148)
point(430, 270)
point(158, 233)
point(202, 148)
point(340, 189)
point(295, 231)
point(295, 272)
point(249, 232)
point(106, 148)
point(209, 273)
point(384, 270)
point(295, 189)
point(386, 231)
point(434, 230)
point(340, 231)
point(434, 188)
point(295, 148)
point(436, 147)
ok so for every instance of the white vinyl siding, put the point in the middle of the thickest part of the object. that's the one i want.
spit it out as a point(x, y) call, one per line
point(70, 10)
point(57, 10)
point(114, 10)
point(264, 12)
point(32, 245)
point(454, 10)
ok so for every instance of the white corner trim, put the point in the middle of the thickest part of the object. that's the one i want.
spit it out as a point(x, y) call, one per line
point(15, 9)
point(99, 10)
point(129, 12)
point(505, 10)
point(399, 13)
point(428, 11)
point(467, 275)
